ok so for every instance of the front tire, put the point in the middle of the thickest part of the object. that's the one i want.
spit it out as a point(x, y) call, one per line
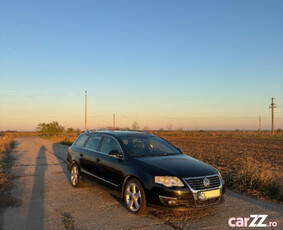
point(75, 175)
point(134, 197)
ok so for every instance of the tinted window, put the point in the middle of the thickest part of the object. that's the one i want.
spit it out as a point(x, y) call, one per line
point(81, 140)
point(109, 144)
point(93, 142)
point(148, 146)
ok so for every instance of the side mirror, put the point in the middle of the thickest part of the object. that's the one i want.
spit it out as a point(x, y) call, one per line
point(115, 153)
point(180, 150)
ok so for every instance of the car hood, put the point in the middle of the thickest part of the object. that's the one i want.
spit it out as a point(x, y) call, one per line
point(178, 165)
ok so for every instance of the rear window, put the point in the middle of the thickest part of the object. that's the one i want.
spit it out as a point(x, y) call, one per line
point(81, 140)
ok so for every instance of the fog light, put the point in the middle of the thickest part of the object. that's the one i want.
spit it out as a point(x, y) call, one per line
point(171, 201)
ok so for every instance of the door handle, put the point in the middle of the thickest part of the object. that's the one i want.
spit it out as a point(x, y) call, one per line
point(97, 160)
point(81, 155)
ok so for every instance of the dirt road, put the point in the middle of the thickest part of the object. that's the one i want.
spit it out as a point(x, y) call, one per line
point(48, 201)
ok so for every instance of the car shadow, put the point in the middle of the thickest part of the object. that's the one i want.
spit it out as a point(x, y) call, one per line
point(61, 158)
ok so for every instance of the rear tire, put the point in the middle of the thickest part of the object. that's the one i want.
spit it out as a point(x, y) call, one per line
point(134, 197)
point(75, 176)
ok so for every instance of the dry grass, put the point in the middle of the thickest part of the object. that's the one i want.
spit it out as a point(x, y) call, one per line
point(256, 179)
point(64, 139)
point(19, 133)
point(6, 143)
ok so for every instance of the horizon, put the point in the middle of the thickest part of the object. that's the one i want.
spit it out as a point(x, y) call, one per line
point(153, 130)
point(194, 65)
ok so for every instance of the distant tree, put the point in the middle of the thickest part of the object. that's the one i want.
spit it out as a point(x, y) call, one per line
point(135, 125)
point(70, 130)
point(50, 129)
point(42, 128)
point(78, 131)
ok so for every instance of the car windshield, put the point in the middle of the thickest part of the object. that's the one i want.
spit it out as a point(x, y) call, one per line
point(148, 146)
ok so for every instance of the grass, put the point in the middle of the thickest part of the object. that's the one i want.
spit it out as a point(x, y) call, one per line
point(65, 140)
point(255, 180)
point(19, 134)
point(6, 145)
point(68, 221)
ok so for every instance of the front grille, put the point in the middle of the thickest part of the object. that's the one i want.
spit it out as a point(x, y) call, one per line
point(197, 183)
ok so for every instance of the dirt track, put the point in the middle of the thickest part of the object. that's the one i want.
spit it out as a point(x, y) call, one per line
point(47, 200)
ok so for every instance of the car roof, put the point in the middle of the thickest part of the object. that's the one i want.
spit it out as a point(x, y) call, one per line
point(120, 133)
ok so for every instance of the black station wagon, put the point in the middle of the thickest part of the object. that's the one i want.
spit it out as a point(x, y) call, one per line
point(144, 170)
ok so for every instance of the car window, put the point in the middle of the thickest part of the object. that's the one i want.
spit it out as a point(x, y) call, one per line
point(93, 142)
point(159, 146)
point(147, 146)
point(81, 140)
point(109, 144)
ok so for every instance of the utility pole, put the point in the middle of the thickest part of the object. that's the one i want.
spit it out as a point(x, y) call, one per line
point(85, 110)
point(113, 121)
point(272, 107)
point(259, 123)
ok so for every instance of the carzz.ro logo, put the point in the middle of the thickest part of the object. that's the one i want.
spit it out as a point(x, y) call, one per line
point(252, 221)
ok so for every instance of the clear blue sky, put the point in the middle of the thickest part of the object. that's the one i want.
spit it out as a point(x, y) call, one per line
point(192, 64)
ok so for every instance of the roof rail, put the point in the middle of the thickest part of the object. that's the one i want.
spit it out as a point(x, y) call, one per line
point(112, 130)
point(98, 130)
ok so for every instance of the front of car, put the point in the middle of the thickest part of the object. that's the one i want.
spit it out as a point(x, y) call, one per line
point(175, 180)
point(182, 182)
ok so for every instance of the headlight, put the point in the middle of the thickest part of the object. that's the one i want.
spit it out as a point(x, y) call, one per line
point(168, 181)
point(219, 174)
point(223, 181)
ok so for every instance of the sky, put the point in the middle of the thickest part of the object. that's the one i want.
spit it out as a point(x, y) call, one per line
point(194, 65)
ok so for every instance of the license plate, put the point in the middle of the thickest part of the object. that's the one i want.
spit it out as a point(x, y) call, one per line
point(209, 194)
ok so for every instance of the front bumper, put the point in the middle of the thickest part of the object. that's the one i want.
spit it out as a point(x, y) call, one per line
point(182, 198)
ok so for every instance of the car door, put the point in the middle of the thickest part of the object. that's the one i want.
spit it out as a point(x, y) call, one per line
point(79, 149)
point(89, 156)
point(111, 168)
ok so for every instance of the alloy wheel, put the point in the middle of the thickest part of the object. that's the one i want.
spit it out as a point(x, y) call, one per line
point(133, 197)
point(74, 175)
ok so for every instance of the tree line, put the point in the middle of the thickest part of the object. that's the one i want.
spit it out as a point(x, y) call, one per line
point(55, 129)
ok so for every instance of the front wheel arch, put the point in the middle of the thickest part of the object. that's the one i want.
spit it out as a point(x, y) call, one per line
point(142, 209)
point(129, 177)
point(74, 162)
point(75, 178)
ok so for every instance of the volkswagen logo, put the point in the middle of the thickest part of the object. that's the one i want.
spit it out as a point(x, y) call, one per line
point(206, 182)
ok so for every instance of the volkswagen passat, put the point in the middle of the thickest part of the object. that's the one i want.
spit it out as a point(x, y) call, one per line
point(144, 170)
